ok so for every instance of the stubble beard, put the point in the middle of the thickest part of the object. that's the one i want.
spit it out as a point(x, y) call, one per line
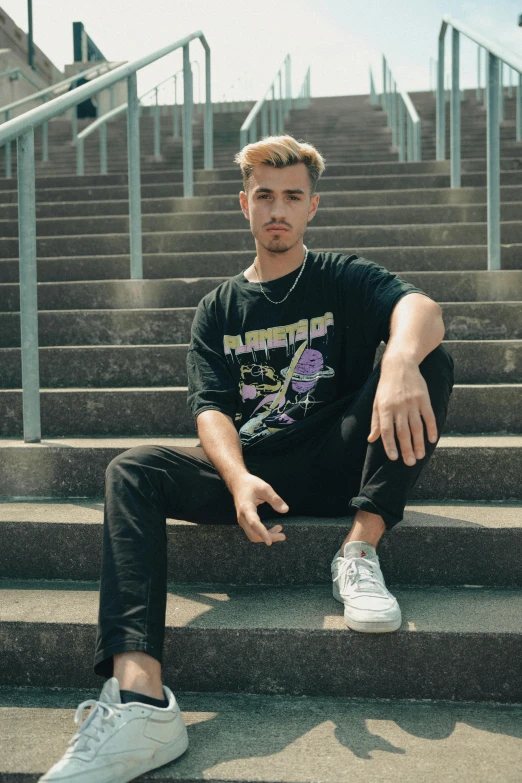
point(276, 245)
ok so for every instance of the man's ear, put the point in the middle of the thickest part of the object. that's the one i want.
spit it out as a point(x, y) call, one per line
point(243, 200)
point(314, 203)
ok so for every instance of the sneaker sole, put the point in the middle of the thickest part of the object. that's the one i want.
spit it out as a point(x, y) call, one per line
point(373, 626)
point(379, 626)
point(165, 755)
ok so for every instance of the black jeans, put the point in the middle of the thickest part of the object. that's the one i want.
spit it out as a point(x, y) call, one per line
point(322, 466)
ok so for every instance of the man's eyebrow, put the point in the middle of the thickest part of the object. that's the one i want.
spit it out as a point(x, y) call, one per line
point(290, 191)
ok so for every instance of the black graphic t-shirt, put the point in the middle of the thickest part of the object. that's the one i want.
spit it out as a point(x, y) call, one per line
point(269, 365)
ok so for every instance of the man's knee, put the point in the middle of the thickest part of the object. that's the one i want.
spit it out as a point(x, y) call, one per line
point(129, 461)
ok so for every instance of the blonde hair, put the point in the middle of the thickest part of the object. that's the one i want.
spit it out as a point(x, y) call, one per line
point(280, 151)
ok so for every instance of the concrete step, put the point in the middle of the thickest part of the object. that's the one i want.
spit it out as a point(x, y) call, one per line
point(463, 321)
point(162, 411)
point(463, 286)
point(283, 739)
point(469, 639)
point(383, 152)
point(155, 189)
point(118, 366)
point(330, 238)
point(224, 203)
point(429, 214)
point(437, 543)
point(230, 262)
point(166, 205)
point(463, 467)
point(336, 169)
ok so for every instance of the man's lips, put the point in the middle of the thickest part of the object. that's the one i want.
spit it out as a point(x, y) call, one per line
point(274, 229)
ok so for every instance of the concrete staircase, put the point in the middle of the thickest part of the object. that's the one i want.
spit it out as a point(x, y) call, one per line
point(274, 686)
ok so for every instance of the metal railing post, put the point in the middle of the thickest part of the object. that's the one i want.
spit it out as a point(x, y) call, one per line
point(383, 95)
point(28, 287)
point(388, 96)
point(455, 108)
point(264, 119)
point(441, 104)
point(74, 123)
point(133, 145)
point(252, 134)
point(519, 109)
point(199, 104)
point(175, 111)
point(280, 116)
point(45, 143)
point(157, 128)
point(374, 98)
point(208, 150)
point(493, 162)
point(273, 125)
point(410, 138)
point(188, 164)
point(103, 149)
point(501, 92)
point(8, 153)
point(402, 140)
point(288, 86)
point(510, 83)
point(80, 157)
point(418, 142)
point(479, 73)
point(394, 113)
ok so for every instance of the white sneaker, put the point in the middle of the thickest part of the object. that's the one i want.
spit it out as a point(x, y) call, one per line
point(359, 584)
point(118, 742)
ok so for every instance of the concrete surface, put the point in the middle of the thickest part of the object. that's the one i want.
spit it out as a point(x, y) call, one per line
point(239, 738)
point(435, 544)
point(455, 643)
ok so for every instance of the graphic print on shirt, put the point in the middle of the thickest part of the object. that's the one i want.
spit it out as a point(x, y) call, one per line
point(281, 383)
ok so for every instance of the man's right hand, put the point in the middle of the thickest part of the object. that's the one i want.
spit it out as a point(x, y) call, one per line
point(248, 493)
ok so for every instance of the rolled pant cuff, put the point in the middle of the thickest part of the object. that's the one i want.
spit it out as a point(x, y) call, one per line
point(103, 660)
point(365, 504)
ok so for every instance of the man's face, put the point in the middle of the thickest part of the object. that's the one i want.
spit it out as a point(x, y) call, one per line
point(278, 205)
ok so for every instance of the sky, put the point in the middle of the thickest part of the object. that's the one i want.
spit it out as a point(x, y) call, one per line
point(339, 39)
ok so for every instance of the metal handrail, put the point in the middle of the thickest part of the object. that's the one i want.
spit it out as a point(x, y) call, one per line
point(56, 87)
point(100, 124)
point(22, 129)
point(20, 72)
point(278, 114)
point(402, 116)
point(303, 99)
point(496, 56)
point(43, 95)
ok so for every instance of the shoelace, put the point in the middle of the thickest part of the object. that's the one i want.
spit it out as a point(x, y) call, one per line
point(360, 569)
point(101, 714)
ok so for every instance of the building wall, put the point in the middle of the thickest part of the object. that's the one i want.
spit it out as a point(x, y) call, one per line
point(15, 39)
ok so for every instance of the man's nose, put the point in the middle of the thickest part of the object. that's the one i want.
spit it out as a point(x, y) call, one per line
point(278, 208)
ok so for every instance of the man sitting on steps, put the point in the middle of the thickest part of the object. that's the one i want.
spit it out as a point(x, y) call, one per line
point(293, 418)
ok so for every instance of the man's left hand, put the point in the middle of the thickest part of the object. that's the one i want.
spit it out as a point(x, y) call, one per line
point(402, 400)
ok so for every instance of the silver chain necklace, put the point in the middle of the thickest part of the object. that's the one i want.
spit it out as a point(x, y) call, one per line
point(295, 281)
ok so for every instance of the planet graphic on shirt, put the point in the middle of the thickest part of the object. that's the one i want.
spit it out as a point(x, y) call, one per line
point(309, 369)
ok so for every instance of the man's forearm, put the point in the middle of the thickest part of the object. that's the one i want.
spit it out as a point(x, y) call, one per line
point(416, 329)
point(221, 444)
